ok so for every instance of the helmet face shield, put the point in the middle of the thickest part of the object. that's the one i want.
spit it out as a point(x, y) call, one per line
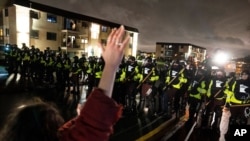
point(219, 74)
point(131, 59)
point(148, 61)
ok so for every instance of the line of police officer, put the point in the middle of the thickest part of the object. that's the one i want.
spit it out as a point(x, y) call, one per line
point(162, 90)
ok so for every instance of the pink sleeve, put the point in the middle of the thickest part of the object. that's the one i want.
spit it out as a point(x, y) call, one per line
point(95, 123)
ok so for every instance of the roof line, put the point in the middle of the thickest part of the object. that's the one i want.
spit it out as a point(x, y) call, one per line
point(68, 14)
point(179, 43)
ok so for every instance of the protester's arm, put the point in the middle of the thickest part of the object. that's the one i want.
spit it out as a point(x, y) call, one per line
point(112, 55)
point(100, 112)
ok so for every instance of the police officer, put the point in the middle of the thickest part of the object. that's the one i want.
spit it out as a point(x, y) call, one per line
point(49, 66)
point(148, 89)
point(215, 98)
point(12, 59)
point(119, 87)
point(66, 70)
point(174, 80)
point(238, 93)
point(41, 69)
point(83, 66)
point(36, 64)
point(98, 70)
point(25, 63)
point(180, 95)
point(33, 58)
point(196, 93)
point(90, 74)
point(75, 71)
point(133, 76)
point(59, 69)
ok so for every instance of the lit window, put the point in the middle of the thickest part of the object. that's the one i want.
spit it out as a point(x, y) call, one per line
point(70, 24)
point(95, 30)
point(1, 32)
point(51, 18)
point(104, 29)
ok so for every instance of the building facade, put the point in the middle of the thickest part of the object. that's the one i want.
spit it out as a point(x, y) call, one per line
point(181, 51)
point(24, 21)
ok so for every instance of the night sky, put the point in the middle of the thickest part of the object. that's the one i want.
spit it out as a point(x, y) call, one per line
point(211, 24)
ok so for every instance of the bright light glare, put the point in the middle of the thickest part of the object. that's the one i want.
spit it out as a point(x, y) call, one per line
point(220, 58)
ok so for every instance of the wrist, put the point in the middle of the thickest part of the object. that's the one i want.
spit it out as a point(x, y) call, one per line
point(109, 68)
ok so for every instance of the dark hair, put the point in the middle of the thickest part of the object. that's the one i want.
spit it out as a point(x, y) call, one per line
point(34, 122)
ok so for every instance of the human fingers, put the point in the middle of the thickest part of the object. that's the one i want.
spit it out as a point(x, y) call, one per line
point(119, 35)
point(110, 37)
point(115, 36)
point(124, 43)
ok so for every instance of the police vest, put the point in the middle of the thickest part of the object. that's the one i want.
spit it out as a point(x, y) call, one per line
point(233, 96)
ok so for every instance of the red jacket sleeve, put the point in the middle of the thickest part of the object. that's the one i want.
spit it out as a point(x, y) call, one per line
point(96, 120)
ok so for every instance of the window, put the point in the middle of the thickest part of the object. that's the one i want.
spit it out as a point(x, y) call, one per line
point(51, 36)
point(1, 32)
point(34, 14)
point(6, 12)
point(7, 32)
point(169, 53)
point(34, 34)
point(69, 24)
point(51, 18)
point(104, 29)
point(95, 30)
point(1, 36)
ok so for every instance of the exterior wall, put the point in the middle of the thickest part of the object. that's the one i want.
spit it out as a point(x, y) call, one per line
point(43, 26)
point(10, 23)
point(83, 44)
point(172, 51)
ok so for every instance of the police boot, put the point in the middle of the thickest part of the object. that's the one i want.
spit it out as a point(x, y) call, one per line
point(141, 105)
point(210, 120)
point(152, 108)
point(133, 106)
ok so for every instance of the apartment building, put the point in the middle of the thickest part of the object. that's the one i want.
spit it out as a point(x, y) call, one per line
point(24, 21)
point(170, 51)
